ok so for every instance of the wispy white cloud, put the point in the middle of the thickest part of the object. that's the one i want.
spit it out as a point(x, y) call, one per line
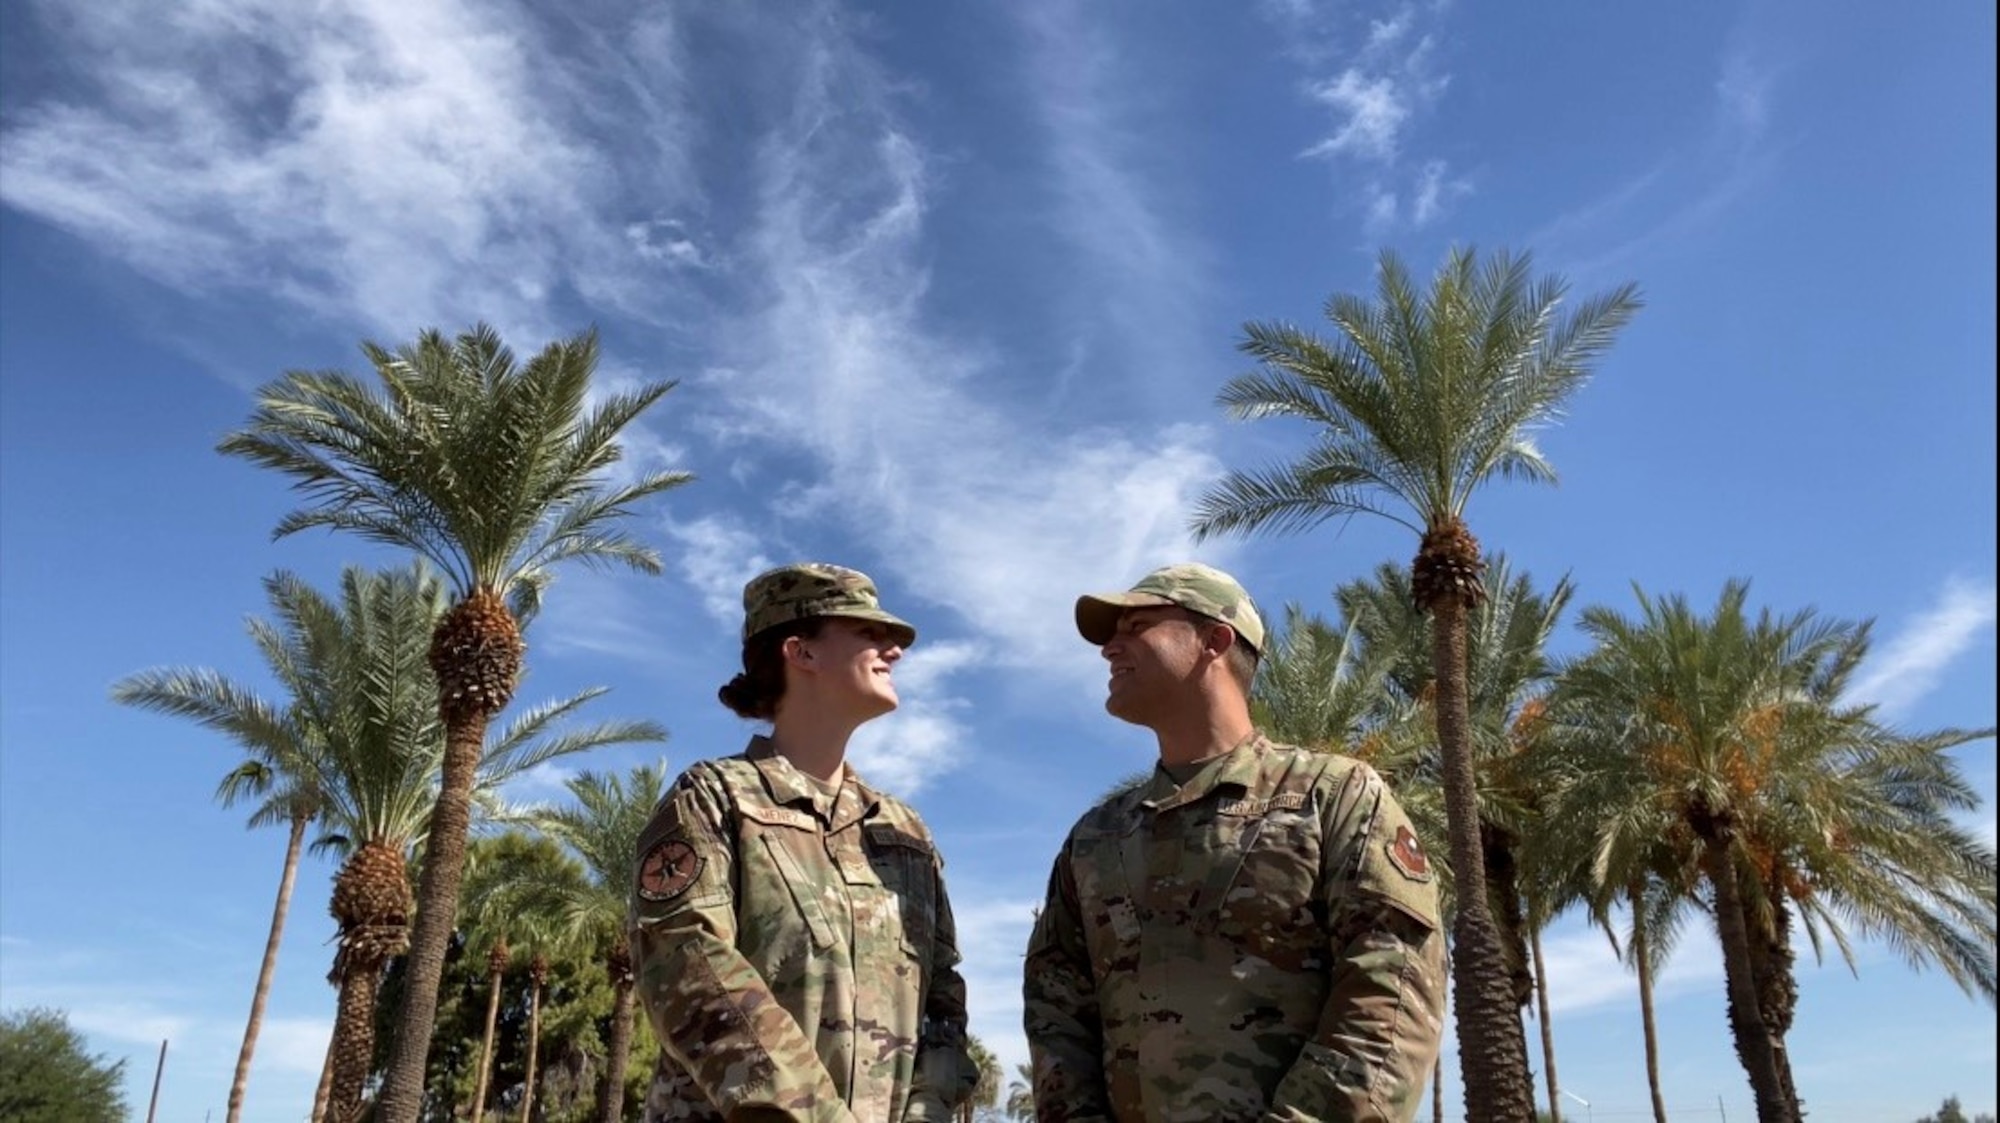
point(1909, 665)
point(1687, 190)
point(371, 161)
point(1383, 80)
point(997, 519)
point(1371, 114)
point(1137, 273)
point(719, 555)
point(1585, 975)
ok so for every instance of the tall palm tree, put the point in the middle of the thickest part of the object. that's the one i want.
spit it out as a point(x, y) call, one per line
point(1420, 399)
point(496, 473)
point(278, 772)
point(588, 909)
point(1726, 738)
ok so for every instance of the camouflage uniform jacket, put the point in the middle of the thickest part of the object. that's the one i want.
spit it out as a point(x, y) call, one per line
point(1259, 944)
point(798, 961)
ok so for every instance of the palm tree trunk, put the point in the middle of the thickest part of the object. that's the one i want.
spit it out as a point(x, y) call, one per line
point(1437, 1088)
point(353, 1038)
point(1777, 989)
point(1746, 1022)
point(437, 906)
point(1548, 1030)
point(241, 1083)
point(534, 1047)
point(1493, 1051)
point(321, 1093)
point(611, 1104)
point(486, 1050)
point(1642, 955)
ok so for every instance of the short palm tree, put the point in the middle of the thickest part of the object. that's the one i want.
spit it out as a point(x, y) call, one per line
point(1421, 398)
point(1725, 740)
point(496, 472)
point(985, 1090)
point(279, 772)
point(1021, 1095)
point(588, 908)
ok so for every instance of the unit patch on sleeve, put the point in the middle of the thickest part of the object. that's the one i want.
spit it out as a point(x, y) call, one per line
point(668, 869)
point(1407, 855)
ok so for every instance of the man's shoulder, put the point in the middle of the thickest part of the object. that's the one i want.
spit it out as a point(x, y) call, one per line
point(1319, 766)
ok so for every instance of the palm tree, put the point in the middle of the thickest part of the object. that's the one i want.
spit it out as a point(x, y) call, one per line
point(1021, 1095)
point(498, 955)
point(588, 909)
point(1422, 398)
point(986, 1090)
point(496, 473)
point(278, 771)
point(1727, 739)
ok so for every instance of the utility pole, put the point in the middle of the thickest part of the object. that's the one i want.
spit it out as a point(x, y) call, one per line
point(1720, 1110)
point(158, 1070)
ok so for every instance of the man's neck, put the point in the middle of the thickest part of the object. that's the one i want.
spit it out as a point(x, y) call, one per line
point(1213, 731)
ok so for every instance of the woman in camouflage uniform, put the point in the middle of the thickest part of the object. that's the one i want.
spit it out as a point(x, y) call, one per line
point(794, 946)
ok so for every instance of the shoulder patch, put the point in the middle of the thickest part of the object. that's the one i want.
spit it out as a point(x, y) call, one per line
point(1407, 854)
point(668, 869)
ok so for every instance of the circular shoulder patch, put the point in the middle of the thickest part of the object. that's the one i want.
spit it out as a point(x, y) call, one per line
point(1407, 855)
point(668, 869)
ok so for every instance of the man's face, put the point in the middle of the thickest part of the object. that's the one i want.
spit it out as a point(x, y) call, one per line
point(1154, 657)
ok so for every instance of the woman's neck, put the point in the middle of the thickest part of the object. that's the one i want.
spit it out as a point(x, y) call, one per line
point(815, 744)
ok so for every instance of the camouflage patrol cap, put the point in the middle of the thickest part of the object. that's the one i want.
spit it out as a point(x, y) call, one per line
point(1198, 588)
point(808, 589)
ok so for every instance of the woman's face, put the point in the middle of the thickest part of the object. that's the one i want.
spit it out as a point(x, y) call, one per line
point(852, 662)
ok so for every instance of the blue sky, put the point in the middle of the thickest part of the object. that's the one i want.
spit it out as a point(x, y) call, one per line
point(950, 290)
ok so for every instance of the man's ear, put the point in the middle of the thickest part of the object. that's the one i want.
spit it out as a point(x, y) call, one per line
point(1217, 639)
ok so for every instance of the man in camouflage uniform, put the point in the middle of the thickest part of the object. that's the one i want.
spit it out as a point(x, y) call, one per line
point(792, 939)
point(1250, 935)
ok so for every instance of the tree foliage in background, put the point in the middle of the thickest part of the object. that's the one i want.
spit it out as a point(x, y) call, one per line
point(497, 472)
point(1419, 398)
point(47, 1075)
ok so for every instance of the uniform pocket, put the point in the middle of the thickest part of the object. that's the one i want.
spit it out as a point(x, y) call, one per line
point(907, 864)
point(781, 834)
point(1258, 890)
point(1106, 890)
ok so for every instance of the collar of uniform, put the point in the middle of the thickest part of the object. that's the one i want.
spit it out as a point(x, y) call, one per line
point(1237, 767)
point(788, 785)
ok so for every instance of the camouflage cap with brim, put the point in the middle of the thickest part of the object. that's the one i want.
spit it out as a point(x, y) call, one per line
point(1198, 588)
point(809, 589)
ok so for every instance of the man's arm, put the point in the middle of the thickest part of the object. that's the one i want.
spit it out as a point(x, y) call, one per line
point(1378, 1034)
point(1059, 994)
point(709, 1007)
point(945, 1075)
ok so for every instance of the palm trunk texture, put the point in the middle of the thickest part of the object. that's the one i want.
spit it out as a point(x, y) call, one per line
point(1493, 1051)
point(611, 1103)
point(354, 1039)
point(534, 1047)
point(1754, 1046)
point(437, 906)
point(1642, 953)
point(1777, 986)
point(486, 1049)
point(1548, 1029)
point(241, 1083)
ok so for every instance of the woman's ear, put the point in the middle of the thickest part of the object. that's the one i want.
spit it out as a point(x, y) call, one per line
point(795, 652)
